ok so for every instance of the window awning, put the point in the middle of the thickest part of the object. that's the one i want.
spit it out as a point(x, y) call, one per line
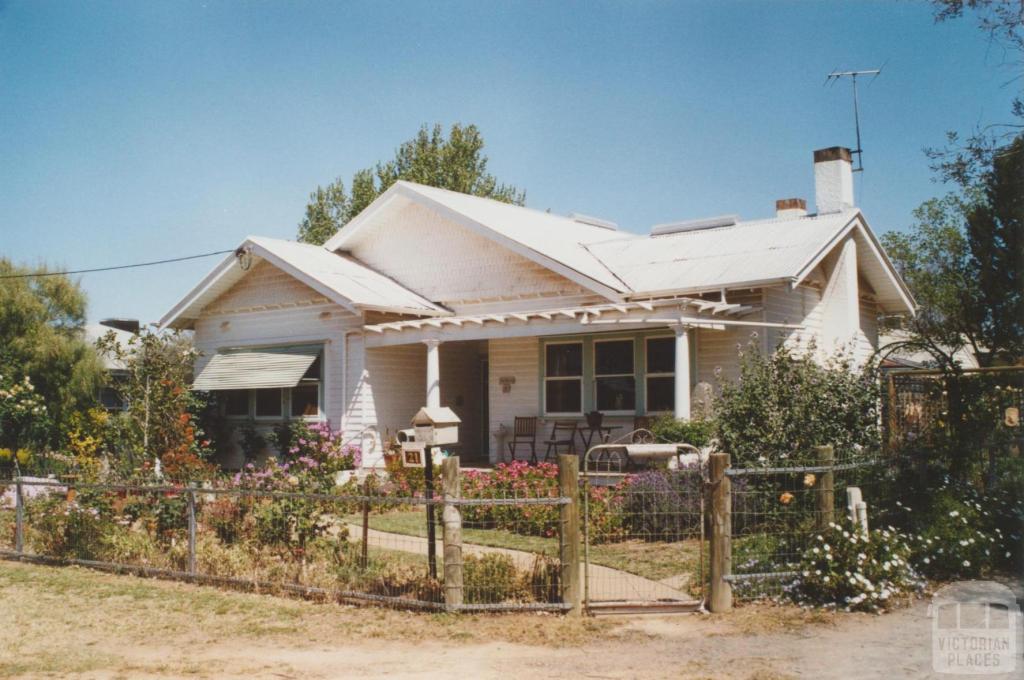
point(257, 369)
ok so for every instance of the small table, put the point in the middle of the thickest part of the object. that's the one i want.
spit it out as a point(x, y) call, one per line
point(587, 434)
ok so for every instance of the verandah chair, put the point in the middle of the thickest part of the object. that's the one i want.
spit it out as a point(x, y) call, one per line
point(524, 432)
point(563, 433)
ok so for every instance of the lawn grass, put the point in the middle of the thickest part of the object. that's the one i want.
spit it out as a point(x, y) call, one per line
point(653, 560)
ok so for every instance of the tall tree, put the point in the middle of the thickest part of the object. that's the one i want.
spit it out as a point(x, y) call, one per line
point(964, 261)
point(964, 160)
point(995, 238)
point(42, 350)
point(455, 162)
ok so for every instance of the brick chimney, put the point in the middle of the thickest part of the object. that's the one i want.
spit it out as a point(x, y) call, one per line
point(833, 179)
point(789, 208)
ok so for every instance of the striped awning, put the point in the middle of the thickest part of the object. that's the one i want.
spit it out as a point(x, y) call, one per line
point(256, 369)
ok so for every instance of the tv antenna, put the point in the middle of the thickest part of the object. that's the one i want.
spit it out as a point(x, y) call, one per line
point(852, 75)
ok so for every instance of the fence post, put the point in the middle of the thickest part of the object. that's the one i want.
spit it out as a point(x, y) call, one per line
point(720, 597)
point(191, 496)
point(451, 516)
point(826, 487)
point(19, 517)
point(365, 557)
point(569, 520)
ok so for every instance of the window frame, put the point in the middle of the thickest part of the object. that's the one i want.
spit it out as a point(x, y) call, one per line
point(286, 394)
point(564, 378)
point(648, 374)
point(634, 375)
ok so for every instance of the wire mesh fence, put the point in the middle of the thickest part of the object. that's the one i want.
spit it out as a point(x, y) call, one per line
point(643, 531)
point(369, 546)
point(777, 512)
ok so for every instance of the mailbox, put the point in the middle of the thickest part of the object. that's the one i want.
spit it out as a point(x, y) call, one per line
point(436, 426)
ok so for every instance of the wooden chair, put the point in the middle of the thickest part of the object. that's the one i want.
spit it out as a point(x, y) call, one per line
point(642, 423)
point(563, 433)
point(524, 432)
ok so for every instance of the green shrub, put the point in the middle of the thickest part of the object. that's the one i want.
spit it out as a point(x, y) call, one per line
point(491, 578)
point(697, 432)
point(785, 404)
point(846, 568)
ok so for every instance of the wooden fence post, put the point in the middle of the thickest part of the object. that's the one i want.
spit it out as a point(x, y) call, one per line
point(19, 517)
point(569, 516)
point(826, 487)
point(720, 597)
point(364, 559)
point(451, 516)
point(191, 496)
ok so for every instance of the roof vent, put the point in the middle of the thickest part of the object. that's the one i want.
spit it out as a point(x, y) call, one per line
point(593, 221)
point(694, 225)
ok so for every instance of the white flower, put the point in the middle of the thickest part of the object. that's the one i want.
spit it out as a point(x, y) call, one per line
point(967, 563)
point(954, 513)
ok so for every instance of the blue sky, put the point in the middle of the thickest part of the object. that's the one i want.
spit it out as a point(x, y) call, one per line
point(135, 131)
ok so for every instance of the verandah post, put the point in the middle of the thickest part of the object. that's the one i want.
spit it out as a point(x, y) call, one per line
point(826, 486)
point(569, 520)
point(451, 517)
point(720, 596)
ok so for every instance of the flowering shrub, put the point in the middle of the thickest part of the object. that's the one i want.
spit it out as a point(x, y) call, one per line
point(846, 568)
point(662, 505)
point(67, 529)
point(521, 480)
point(23, 415)
point(960, 535)
point(317, 446)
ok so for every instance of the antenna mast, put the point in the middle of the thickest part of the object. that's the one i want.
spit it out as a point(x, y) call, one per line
point(852, 75)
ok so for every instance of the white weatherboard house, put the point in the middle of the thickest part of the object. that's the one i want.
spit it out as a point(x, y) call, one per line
point(430, 297)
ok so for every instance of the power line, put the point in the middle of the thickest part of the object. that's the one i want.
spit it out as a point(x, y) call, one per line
point(120, 266)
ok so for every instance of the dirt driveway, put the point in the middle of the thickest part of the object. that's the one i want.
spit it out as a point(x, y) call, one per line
point(69, 622)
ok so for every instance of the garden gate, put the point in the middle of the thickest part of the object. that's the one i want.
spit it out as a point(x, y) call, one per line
point(643, 528)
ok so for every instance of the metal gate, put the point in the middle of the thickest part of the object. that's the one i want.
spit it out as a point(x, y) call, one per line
point(643, 528)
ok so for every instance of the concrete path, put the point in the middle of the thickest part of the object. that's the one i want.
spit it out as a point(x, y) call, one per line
point(605, 583)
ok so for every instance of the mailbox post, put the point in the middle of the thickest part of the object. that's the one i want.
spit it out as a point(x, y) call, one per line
point(433, 426)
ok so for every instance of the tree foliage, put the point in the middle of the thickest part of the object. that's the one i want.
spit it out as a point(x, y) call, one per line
point(162, 410)
point(963, 161)
point(42, 321)
point(964, 261)
point(786, 403)
point(455, 162)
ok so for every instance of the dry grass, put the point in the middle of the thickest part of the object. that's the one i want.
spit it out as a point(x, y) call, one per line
point(65, 620)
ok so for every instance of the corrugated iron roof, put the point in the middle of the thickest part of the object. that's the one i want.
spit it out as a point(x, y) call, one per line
point(754, 251)
point(340, 278)
point(539, 235)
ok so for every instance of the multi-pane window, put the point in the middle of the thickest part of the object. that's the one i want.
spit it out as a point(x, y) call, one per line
point(301, 401)
point(614, 376)
point(563, 377)
point(236, 402)
point(661, 366)
point(268, 403)
point(305, 396)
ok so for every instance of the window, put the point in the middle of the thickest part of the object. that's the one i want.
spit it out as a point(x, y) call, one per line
point(563, 377)
point(236, 402)
point(661, 366)
point(306, 395)
point(268, 403)
point(613, 375)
